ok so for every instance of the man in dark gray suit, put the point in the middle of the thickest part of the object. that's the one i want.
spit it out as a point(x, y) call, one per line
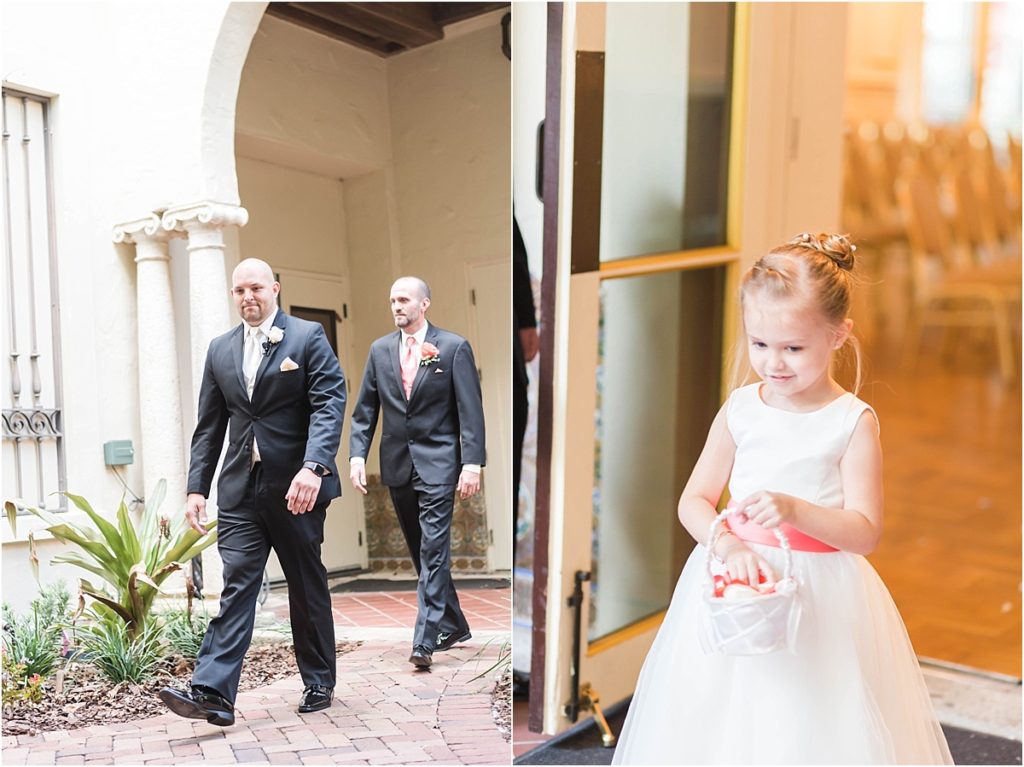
point(425, 381)
point(275, 385)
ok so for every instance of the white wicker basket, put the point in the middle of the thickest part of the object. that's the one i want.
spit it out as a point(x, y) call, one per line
point(759, 624)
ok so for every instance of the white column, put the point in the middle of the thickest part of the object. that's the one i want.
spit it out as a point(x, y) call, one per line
point(209, 312)
point(163, 451)
point(208, 286)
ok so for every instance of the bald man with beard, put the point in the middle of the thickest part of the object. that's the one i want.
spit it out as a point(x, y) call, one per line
point(422, 382)
point(275, 386)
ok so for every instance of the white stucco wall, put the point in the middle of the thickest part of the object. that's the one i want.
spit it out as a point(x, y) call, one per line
point(295, 217)
point(374, 262)
point(451, 112)
point(131, 96)
point(313, 103)
point(132, 85)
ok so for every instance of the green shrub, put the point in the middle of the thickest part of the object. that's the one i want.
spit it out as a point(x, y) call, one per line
point(133, 561)
point(54, 603)
point(120, 655)
point(35, 640)
point(185, 632)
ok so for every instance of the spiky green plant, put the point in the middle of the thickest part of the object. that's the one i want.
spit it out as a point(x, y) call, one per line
point(185, 632)
point(105, 642)
point(132, 561)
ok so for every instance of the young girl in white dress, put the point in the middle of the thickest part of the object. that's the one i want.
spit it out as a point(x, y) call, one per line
point(797, 451)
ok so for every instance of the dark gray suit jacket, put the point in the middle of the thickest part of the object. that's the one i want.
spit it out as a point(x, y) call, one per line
point(439, 429)
point(296, 415)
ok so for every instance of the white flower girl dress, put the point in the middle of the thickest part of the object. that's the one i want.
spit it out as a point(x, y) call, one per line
point(850, 693)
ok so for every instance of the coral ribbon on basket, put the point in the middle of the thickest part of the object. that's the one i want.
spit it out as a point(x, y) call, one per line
point(798, 541)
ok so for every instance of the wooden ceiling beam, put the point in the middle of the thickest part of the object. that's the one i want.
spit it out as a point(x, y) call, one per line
point(316, 23)
point(380, 27)
point(449, 13)
point(408, 24)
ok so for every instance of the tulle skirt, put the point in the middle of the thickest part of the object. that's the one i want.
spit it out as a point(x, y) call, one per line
point(851, 693)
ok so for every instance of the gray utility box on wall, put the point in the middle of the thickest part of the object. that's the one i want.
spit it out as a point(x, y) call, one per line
point(118, 452)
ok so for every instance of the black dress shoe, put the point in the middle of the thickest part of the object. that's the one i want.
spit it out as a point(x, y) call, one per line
point(447, 641)
point(199, 703)
point(315, 697)
point(421, 657)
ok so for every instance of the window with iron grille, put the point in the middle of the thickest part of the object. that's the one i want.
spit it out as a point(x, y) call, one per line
point(33, 448)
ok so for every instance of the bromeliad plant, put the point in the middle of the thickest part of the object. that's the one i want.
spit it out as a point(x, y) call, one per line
point(133, 561)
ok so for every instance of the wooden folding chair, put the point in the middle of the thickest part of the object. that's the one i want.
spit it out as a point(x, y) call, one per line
point(946, 294)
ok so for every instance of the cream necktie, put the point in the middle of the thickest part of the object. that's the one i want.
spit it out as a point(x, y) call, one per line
point(253, 357)
point(251, 366)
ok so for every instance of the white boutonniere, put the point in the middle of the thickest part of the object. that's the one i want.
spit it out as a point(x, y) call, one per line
point(429, 354)
point(274, 336)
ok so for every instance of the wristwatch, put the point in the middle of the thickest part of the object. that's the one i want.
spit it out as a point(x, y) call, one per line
point(319, 469)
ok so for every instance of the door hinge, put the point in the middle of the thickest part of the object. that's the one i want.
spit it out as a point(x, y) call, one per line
point(360, 537)
point(472, 296)
point(490, 534)
point(344, 311)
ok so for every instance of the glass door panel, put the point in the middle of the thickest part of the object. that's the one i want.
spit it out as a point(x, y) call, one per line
point(667, 107)
point(658, 383)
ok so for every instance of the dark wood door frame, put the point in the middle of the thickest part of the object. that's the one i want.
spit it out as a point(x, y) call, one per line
point(545, 392)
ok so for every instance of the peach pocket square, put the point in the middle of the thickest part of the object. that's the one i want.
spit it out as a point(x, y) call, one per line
point(288, 364)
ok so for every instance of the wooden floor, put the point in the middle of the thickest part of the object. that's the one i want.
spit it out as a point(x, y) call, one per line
point(951, 551)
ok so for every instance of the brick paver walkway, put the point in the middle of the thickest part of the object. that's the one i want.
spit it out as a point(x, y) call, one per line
point(384, 712)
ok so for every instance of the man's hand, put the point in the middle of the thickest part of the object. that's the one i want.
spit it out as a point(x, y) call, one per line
point(530, 341)
point(357, 474)
point(195, 512)
point(301, 496)
point(469, 484)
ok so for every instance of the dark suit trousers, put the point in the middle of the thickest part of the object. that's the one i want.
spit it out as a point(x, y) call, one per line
point(520, 413)
point(425, 515)
point(245, 535)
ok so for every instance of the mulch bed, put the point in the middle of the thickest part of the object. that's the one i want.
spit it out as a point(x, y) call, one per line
point(87, 697)
point(501, 704)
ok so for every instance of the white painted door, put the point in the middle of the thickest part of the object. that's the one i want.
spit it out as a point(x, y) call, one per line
point(345, 530)
point(491, 311)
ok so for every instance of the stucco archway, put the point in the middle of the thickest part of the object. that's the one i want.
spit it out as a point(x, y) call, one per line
point(217, 124)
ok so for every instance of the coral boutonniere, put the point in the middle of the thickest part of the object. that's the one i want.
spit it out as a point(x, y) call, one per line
point(274, 336)
point(429, 354)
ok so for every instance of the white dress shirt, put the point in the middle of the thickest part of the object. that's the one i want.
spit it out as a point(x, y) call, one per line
point(264, 328)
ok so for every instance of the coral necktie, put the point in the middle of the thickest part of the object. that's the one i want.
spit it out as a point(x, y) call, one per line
point(409, 366)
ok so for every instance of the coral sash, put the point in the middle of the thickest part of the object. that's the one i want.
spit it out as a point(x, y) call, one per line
point(798, 541)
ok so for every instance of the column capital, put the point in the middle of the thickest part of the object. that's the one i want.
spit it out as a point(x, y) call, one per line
point(147, 227)
point(206, 213)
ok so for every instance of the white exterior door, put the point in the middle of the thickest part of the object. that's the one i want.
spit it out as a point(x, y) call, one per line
point(345, 530)
point(491, 308)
